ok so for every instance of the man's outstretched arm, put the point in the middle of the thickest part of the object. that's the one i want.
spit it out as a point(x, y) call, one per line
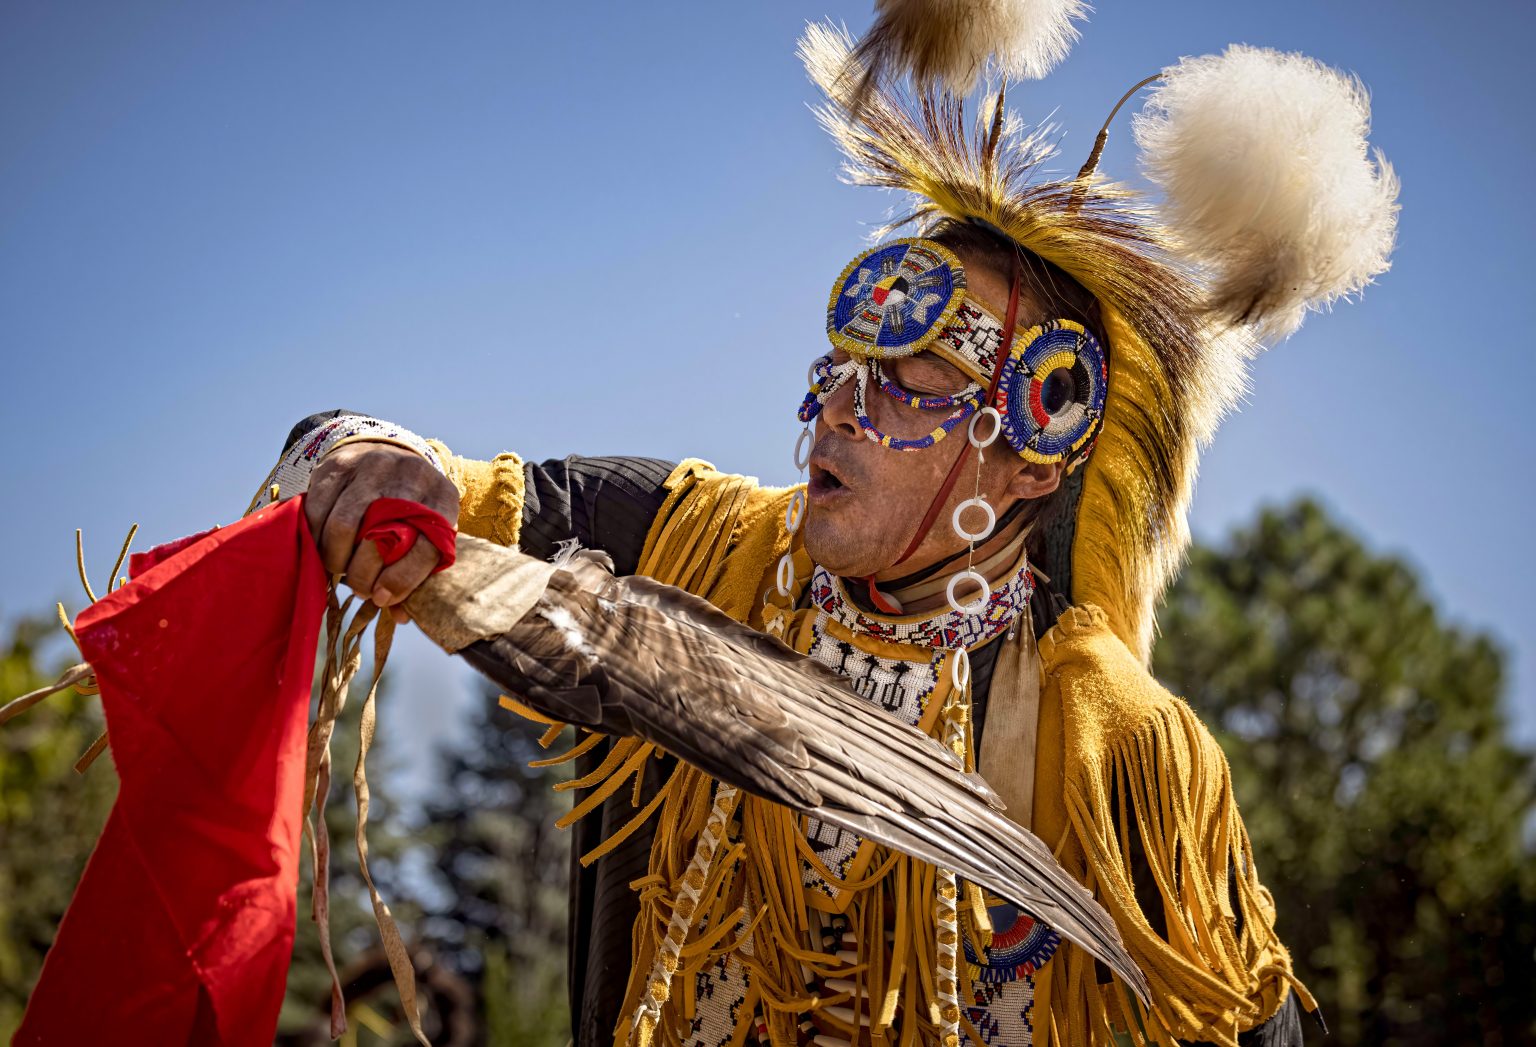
point(347, 460)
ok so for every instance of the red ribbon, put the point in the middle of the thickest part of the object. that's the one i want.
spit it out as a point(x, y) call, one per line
point(394, 524)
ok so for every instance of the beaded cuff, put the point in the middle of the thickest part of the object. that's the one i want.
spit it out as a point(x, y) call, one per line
point(290, 476)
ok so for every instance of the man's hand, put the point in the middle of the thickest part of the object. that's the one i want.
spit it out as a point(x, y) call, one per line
point(342, 488)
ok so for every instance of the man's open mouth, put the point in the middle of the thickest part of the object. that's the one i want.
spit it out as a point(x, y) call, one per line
point(824, 481)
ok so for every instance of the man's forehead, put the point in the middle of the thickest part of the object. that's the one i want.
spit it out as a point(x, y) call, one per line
point(988, 287)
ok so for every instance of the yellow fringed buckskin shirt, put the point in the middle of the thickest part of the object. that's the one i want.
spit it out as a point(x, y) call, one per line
point(1126, 786)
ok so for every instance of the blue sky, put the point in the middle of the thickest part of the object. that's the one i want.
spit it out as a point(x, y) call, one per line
point(610, 228)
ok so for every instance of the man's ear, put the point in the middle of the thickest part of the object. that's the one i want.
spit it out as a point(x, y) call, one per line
point(1035, 481)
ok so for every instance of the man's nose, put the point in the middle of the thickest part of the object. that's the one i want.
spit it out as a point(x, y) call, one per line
point(838, 411)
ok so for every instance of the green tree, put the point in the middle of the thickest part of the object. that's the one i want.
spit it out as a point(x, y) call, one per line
point(503, 872)
point(50, 816)
point(1369, 749)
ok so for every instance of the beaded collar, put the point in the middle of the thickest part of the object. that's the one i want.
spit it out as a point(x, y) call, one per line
point(947, 629)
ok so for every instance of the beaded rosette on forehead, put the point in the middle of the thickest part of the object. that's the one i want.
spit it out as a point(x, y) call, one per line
point(908, 296)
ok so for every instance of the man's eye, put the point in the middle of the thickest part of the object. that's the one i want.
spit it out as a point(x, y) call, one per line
point(930, 378)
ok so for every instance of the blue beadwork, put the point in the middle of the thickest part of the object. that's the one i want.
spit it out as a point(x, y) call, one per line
point(1049, 412)
point(1021, 945)
point(895, 298)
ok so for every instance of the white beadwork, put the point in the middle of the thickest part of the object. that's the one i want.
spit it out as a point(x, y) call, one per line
point(292, 472)
point(722, 989)
point(902, 688)
point(948, 628)
point(898, 688)
point(972, 341)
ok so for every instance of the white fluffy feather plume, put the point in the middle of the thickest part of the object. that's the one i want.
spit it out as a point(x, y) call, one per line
point(948, 42)
point(1269, 182)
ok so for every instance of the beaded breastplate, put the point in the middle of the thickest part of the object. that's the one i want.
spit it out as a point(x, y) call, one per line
point(902, 665)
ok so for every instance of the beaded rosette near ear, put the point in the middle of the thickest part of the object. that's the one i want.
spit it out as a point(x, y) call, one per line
point(1043, 390)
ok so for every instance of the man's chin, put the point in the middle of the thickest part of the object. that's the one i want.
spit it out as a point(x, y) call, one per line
point(840, 548)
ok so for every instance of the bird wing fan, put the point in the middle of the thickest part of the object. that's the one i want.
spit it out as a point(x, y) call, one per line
point(632, 657)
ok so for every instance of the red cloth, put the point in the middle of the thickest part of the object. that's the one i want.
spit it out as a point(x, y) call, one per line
point(181, 930)
point(394, 524)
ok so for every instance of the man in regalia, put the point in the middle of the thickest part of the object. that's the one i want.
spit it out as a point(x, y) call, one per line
point(998, 453)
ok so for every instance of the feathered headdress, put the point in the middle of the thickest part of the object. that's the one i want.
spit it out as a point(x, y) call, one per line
point(1271, 207)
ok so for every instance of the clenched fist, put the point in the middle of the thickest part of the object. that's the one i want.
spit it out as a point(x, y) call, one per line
point(342, 488)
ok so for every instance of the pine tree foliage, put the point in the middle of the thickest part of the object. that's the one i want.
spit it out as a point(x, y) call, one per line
point(503, 872)
point(50, 816)
point(1389, 810)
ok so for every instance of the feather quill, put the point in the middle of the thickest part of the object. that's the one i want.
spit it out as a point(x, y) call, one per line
point(1269, 182)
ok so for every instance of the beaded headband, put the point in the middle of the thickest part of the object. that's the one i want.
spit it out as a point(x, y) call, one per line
point(908, 296)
